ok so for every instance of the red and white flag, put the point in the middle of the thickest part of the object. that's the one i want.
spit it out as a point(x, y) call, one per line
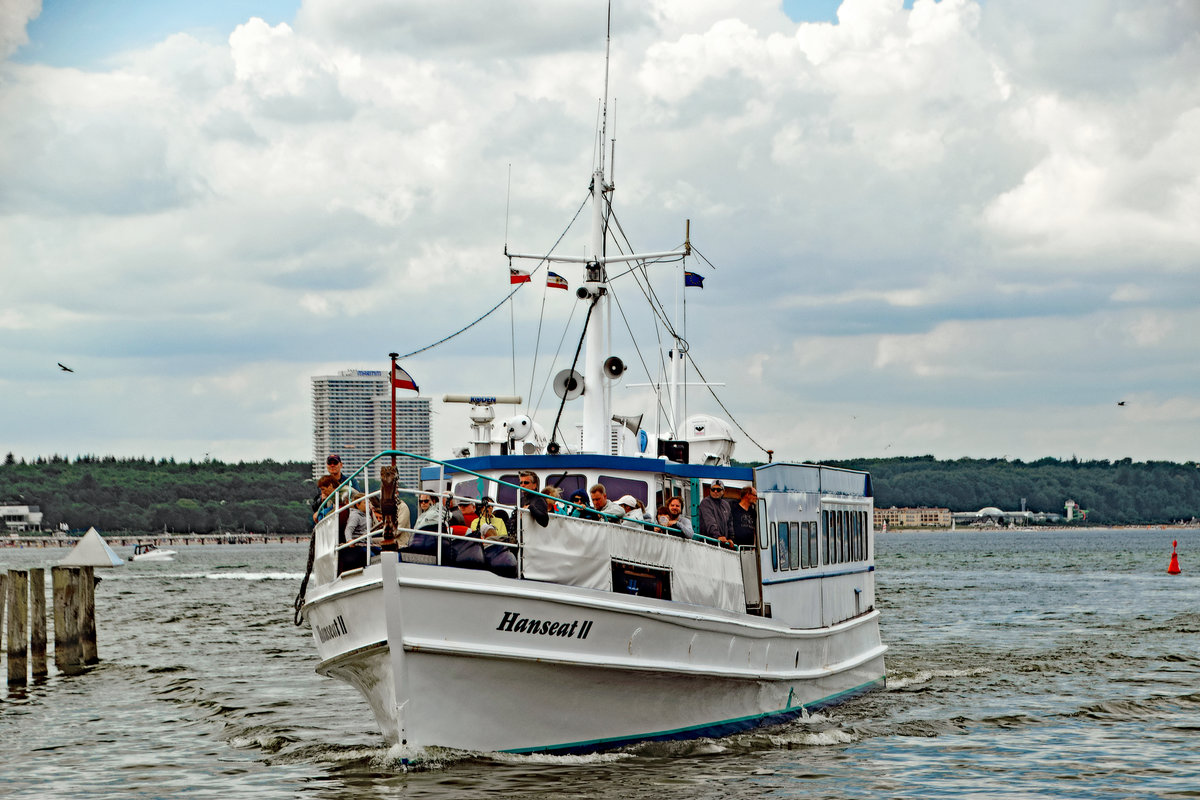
point(402, 380)
point(518, 275)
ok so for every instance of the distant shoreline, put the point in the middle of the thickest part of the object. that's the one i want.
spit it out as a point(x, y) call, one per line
point(173, 539)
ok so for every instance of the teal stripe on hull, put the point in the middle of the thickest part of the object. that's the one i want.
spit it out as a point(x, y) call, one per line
point(712, 729)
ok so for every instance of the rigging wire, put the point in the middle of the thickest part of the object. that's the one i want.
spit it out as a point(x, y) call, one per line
point(492, 310)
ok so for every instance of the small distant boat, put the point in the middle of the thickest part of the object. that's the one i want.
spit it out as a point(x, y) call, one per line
point(151, 552)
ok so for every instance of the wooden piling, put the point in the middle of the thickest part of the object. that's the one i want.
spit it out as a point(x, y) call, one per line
point(37, 623)
point(3, 601)
point(18, 627)
point(87, 614)
point(68, 655)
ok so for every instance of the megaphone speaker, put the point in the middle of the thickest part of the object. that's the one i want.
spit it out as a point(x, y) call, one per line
point(614, 367)
point(568, 384)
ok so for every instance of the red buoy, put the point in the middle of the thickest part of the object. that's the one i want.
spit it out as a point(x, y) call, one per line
point(1173, 567)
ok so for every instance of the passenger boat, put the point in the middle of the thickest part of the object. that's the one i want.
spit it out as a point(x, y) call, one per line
point(596, 633)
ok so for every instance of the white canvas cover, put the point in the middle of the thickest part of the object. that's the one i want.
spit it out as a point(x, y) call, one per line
point(579, 552)
point(92, 551)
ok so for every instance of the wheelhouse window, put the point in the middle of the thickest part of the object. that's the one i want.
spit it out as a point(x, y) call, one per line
point(619, 487)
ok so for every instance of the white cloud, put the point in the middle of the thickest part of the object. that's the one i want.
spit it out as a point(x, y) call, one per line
point(953, 220)
point(14, 16)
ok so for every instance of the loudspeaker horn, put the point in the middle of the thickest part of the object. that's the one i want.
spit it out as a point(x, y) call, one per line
point(568, 384)
point(614, 367)
point(634, 424)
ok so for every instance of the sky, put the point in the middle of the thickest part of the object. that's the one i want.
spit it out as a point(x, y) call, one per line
point(964, 228)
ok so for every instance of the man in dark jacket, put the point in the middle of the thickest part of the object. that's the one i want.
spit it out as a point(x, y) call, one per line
point(716, 520)
point(744, 514)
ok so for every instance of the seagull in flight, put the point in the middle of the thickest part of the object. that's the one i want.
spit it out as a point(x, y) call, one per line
point(64, 367)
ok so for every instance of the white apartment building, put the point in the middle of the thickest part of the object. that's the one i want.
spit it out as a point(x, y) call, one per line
point(352, 418)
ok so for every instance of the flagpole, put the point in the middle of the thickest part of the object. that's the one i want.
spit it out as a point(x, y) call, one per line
point(392, 383)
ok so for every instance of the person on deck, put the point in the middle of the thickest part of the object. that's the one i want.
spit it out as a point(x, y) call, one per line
point(716, 518)
point(580, 498)
point(601, 503)
point(333, 467)
point(325, 486)
point(535, 504)
point(676, 519)
point(633, 515)
point(487, 519)
point(744, 516)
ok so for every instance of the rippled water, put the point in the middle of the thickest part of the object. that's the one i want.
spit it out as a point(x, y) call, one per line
point(1021, 665)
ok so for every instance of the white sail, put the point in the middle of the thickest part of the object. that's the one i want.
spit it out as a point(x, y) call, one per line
point(92, 551)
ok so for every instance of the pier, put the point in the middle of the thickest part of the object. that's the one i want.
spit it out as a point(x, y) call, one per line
point(159, 539)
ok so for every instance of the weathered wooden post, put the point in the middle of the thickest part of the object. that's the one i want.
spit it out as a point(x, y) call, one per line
point(68, 656)
point(18, 627)
point(3, 600)
point(37, 623)
point(87, 612)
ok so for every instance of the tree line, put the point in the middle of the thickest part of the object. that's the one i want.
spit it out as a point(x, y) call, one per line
point(141, 495)
point(1121, 492)
point(148, 495)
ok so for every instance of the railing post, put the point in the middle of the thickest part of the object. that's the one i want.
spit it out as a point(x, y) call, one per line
point(37, 623)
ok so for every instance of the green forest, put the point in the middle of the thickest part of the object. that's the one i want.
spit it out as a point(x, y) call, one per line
point(145, 495)
point(148, 495)
point(1121, 492)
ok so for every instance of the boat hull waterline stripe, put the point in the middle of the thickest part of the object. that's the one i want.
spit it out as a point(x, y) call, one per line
point(713, 730)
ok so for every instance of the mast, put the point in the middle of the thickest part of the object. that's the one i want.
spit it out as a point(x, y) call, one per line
point(597, 390)
point(597, 408)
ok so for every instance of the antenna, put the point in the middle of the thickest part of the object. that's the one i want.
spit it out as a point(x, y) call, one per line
point(604, 115)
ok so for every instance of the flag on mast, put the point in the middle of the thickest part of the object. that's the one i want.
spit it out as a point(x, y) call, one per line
point(402, 380)
point(693, 279)
point(556, 281)
point(518, 275)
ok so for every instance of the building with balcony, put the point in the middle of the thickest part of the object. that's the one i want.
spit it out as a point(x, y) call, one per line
point(352, 418)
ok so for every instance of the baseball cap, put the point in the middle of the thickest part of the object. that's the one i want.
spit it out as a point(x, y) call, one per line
point(333, 460)
point(717, 485)
point(627, 500)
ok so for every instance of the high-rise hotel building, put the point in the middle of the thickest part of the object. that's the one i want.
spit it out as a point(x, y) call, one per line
point(352, 417)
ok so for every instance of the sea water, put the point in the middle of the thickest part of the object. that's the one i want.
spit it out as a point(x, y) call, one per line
point(1021, 664)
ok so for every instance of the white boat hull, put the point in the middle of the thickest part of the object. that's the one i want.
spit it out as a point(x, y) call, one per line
point(600, 669)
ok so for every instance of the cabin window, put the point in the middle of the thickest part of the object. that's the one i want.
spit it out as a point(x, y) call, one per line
point(824, 537)
point(507, 495)
point(858, 537)
point(568, 483)
point(619, 487)
point(641, 580)
point(843, 538)
point(470, 488)
point(784, 549)
point(794, 545)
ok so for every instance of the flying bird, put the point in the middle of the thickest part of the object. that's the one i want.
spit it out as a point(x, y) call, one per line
point(64, 367)
point(1120, 402)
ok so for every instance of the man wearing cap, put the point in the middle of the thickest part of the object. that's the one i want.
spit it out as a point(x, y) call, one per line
point(716, 518)
point(333, 468)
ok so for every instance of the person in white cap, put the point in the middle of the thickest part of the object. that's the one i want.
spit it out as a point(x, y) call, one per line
point(633, 515)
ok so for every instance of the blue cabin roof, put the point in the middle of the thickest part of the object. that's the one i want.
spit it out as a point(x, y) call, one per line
point(589, 461)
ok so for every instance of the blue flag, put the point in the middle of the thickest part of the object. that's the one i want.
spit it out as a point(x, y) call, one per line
point(693, 279)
